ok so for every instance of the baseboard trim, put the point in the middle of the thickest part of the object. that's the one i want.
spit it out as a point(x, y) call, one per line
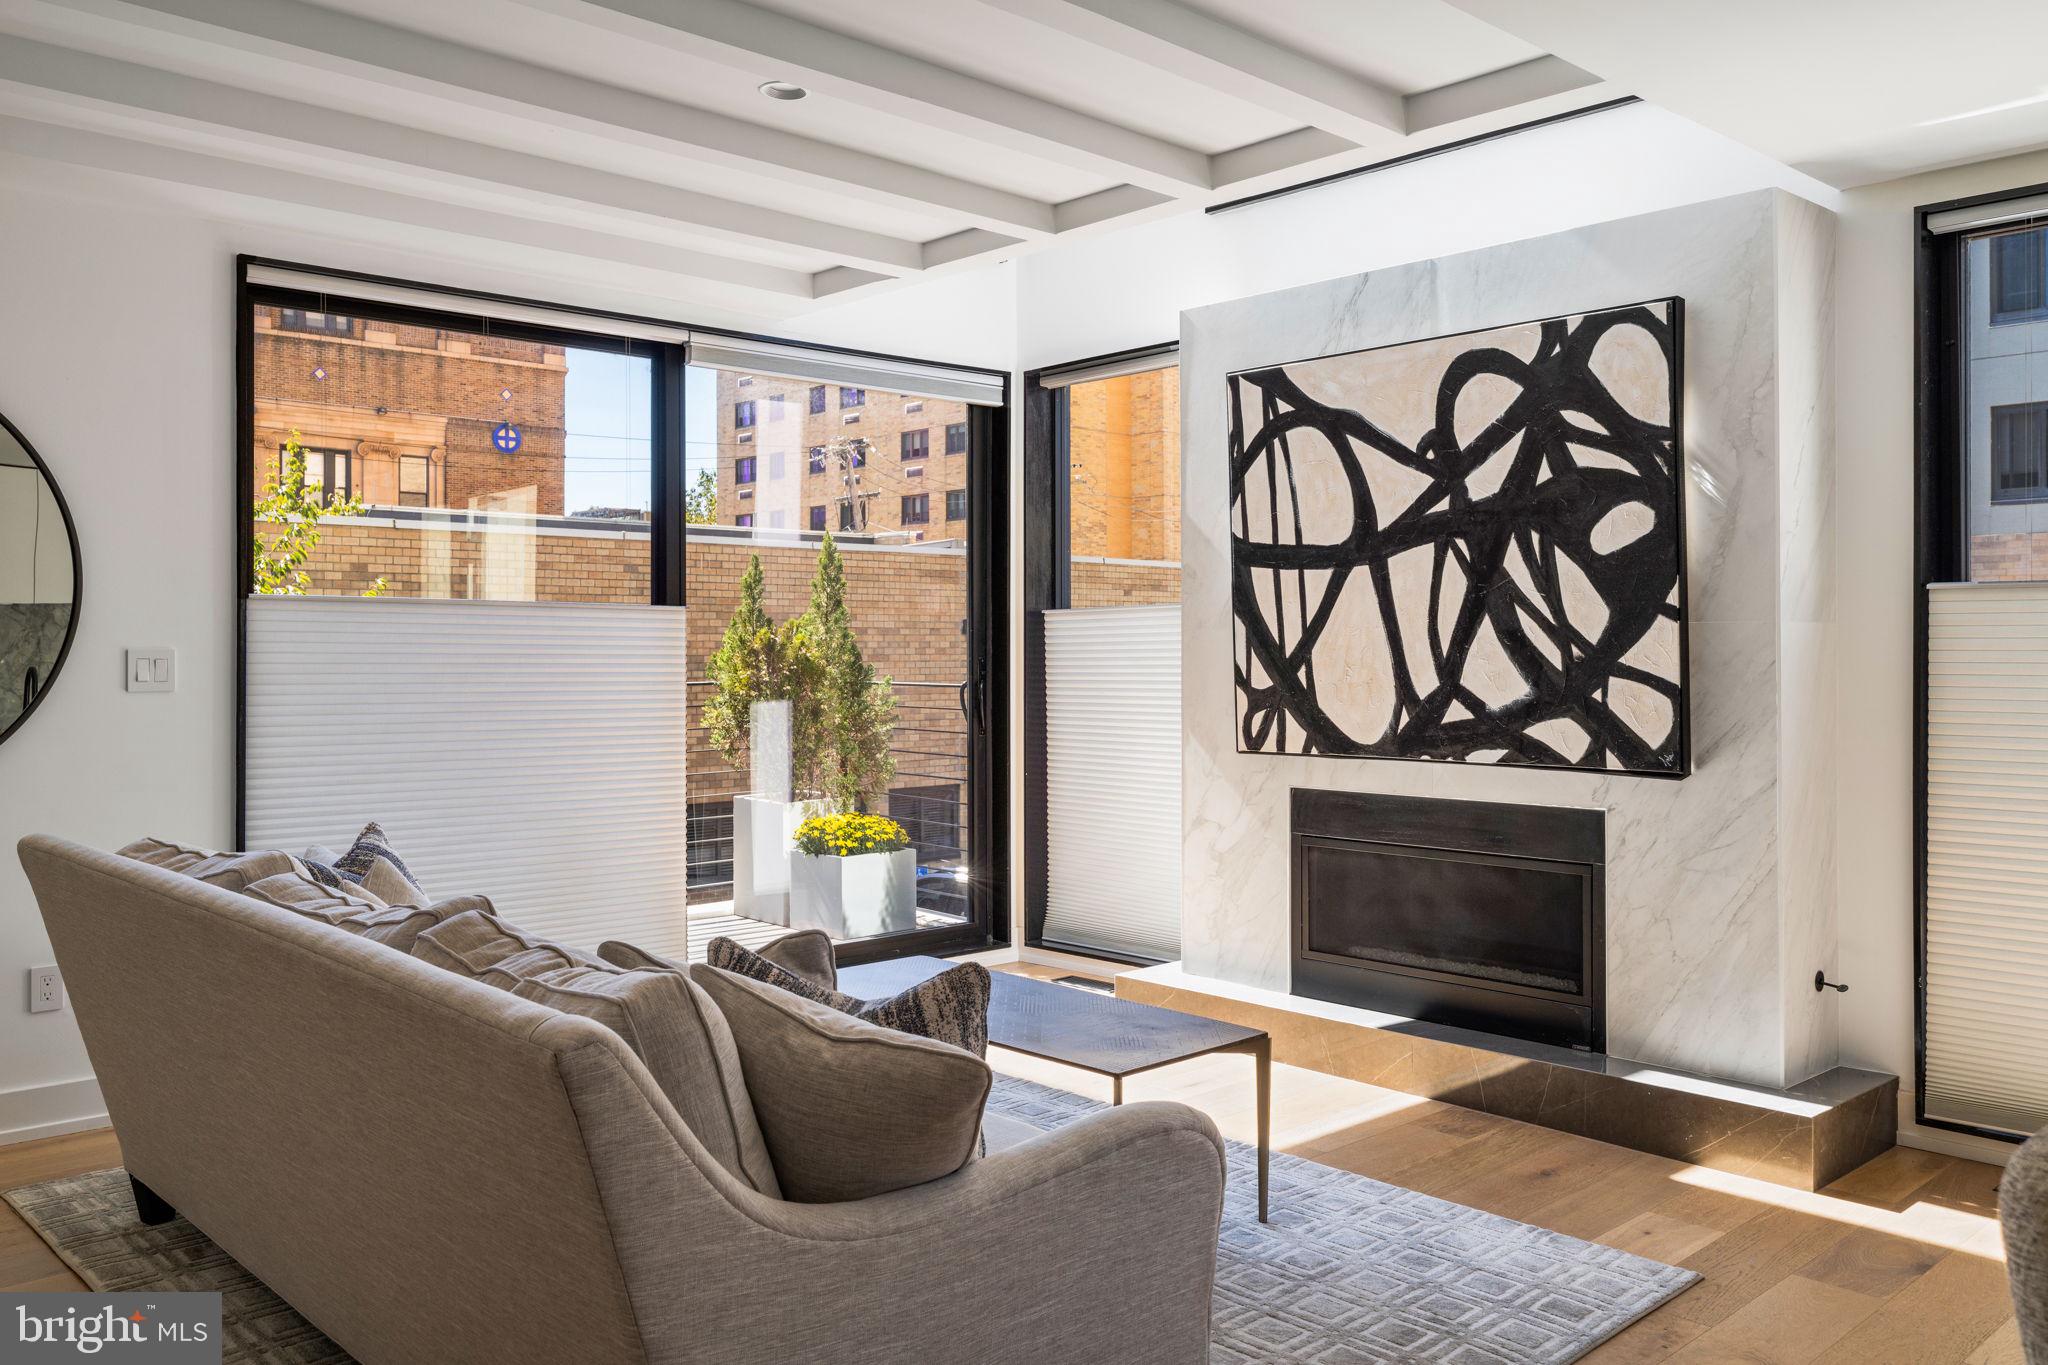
point(1968, 1146)
point(41, 1111)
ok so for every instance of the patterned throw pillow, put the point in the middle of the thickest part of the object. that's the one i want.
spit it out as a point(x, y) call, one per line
point(951, 1007)
point(372, 864)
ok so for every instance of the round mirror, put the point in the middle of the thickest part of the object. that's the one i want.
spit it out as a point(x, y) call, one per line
point(38, 579)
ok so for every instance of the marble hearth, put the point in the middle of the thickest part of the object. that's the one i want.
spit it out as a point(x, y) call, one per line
point(1804, 1136)
point(1719, 891)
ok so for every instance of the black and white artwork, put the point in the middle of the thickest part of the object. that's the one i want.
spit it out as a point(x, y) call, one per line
point(1469, 548)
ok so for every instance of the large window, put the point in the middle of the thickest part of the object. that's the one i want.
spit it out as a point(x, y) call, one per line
point(401, 449)
point(1981, 634)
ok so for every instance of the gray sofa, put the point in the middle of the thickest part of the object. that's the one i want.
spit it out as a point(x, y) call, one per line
point(431, 1169)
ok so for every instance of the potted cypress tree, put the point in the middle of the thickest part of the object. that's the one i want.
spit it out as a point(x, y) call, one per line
point(762, 719)
point(858, 877)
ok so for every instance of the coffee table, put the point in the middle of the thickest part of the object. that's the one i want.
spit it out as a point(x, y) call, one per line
point(1089, 1030)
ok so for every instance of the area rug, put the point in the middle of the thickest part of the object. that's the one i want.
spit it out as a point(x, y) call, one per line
point(1349, 1271)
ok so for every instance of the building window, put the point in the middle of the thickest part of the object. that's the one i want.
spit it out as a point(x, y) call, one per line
point(846, 514)
point(743, 413)
point(2019, 277)
point(775, 407)
point(2019, 453)
point(817, 398)
point(956, 438)
point(917, 508)
point(329, 471)
point(744, 519)
point(852, 398)
point(817, 459)
point(774, 464)
point(775, 520)
point(818, 517)
point(412, 480)
point(323, 324)
point(917, 444)
point(956, 504)
point(743, 469)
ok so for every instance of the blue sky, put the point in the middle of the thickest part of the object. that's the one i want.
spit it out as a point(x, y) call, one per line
point(610, 445)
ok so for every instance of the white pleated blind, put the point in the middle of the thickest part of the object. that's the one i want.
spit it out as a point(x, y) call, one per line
point(1987, 855)
point(532, 752)
point(1113, 737)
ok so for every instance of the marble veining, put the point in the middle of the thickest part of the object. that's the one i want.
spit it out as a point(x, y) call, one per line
point(1720, 886)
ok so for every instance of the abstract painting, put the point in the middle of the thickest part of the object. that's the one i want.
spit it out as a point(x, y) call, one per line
point(1467, 549)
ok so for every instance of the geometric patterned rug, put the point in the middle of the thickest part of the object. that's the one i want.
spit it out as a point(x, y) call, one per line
point(1349, 1271)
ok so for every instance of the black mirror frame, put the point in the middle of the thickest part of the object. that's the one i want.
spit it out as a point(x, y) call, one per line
point(77, 579)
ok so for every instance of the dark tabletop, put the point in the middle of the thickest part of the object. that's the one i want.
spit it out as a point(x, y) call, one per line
point(1083, 1028)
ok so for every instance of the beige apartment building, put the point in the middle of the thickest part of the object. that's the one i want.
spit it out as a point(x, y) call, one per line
point(799, 456)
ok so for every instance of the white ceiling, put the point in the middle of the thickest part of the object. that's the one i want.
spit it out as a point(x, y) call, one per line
point(629, 138)
point(1848, 91)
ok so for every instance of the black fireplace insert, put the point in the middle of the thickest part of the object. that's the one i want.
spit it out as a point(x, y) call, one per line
point(1473, 913)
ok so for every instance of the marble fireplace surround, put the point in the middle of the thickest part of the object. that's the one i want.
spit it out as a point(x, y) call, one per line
point(1720, 887)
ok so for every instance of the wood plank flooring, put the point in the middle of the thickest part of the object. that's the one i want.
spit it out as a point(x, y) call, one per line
point(1897, 1263)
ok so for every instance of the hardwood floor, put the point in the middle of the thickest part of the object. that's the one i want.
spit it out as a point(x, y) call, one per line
point(1898, 1263)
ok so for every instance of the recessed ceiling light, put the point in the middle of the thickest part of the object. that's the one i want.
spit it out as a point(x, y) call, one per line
point(783, 90)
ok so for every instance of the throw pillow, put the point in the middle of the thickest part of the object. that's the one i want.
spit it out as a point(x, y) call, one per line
point(849, 1109)
point(807, 952)
point(371, 863)
point(951, 1007)
point(669, 1022)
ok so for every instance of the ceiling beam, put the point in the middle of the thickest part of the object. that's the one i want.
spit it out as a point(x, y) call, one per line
point(428, 161)
point(1171, 37)
point(410, 71)
point(1511, 90)
point(774, 46)
point(189, 170)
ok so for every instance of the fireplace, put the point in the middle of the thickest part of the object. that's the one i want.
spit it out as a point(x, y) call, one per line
point(1472, 913)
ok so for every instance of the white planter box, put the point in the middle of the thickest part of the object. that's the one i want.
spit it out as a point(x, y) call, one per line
point(857, 897)
point(763, 842)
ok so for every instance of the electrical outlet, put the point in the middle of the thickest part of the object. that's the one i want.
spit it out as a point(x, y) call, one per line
point(45, 990)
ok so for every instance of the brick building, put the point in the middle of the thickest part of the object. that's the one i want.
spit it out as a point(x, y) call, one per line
point(411, 416)
point(778, 466)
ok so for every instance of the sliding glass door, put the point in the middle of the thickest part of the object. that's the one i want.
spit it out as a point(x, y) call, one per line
point(833, 663)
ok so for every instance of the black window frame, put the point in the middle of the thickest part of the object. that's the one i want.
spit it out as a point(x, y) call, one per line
point(916, 510)
point(956, 445)
point(817, 399)
point(956, 504)
point(745, 468)
point(330, 324)
point(919, 448)
point(817, 516)
point(852, 398)
point(330, 458)
point(743, 413)
point(426, 494)
point(1941, 534)
point(987, 606)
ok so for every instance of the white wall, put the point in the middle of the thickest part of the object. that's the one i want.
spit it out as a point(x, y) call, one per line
point(1874, 383)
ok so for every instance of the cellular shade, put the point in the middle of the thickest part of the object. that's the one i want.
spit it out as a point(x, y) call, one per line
point(1987, 855)
point(1113, 737)
point(531, 752)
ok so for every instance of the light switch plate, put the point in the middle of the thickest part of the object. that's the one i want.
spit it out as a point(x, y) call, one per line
point(152, 668)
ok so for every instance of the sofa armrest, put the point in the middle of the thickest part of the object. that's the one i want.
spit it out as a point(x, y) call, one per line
point(1094, 1241)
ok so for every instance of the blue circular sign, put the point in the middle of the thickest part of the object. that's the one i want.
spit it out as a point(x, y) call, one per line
point(506, 437)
